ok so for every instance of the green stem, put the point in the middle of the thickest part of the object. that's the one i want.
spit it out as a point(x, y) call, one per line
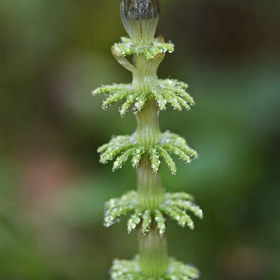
point(149, 188)
point(153, 255)
point(146, 75)
point(148, 132)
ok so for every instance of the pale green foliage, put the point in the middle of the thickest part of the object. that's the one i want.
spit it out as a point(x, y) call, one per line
point(146, 223)
point(123, 147)
point(130, 270)
point(134, 220)
point(167, 91)
point(117, 207)
point(180, 271)
point(160, 220)
point(126, 47)
point(171, 143)
point(172, 92)
point(174, 205)
point(118, 92)
point(154, 157)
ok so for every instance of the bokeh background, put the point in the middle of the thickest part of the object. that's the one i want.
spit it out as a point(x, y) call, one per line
point(52, 187)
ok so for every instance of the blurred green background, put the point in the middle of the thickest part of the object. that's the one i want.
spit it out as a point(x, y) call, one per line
point(53, 53)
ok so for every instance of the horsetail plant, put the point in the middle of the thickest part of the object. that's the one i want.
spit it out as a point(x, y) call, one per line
point(147, 147)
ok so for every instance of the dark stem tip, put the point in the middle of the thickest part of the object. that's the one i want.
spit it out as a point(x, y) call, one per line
point(140, 9)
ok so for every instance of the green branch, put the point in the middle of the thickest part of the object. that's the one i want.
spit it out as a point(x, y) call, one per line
point(123, 147)
point(126, 47)
point(124, 270)
point(165, 92)
point(174, 205)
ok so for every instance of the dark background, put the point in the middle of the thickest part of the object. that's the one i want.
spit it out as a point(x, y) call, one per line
point(53, 53)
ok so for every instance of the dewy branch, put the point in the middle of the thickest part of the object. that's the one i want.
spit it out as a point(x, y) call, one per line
point(148, 146)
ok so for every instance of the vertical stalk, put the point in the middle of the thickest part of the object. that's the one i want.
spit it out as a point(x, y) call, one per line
point(149, 187)
point(153, 255)
point(146, 76)
point(148, 132)
point(146, 146)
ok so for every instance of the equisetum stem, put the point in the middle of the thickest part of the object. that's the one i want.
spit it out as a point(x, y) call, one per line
point(146, 75)
point(147, 146)
point(148, 132)
point(153, 255)
point(149, 188)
